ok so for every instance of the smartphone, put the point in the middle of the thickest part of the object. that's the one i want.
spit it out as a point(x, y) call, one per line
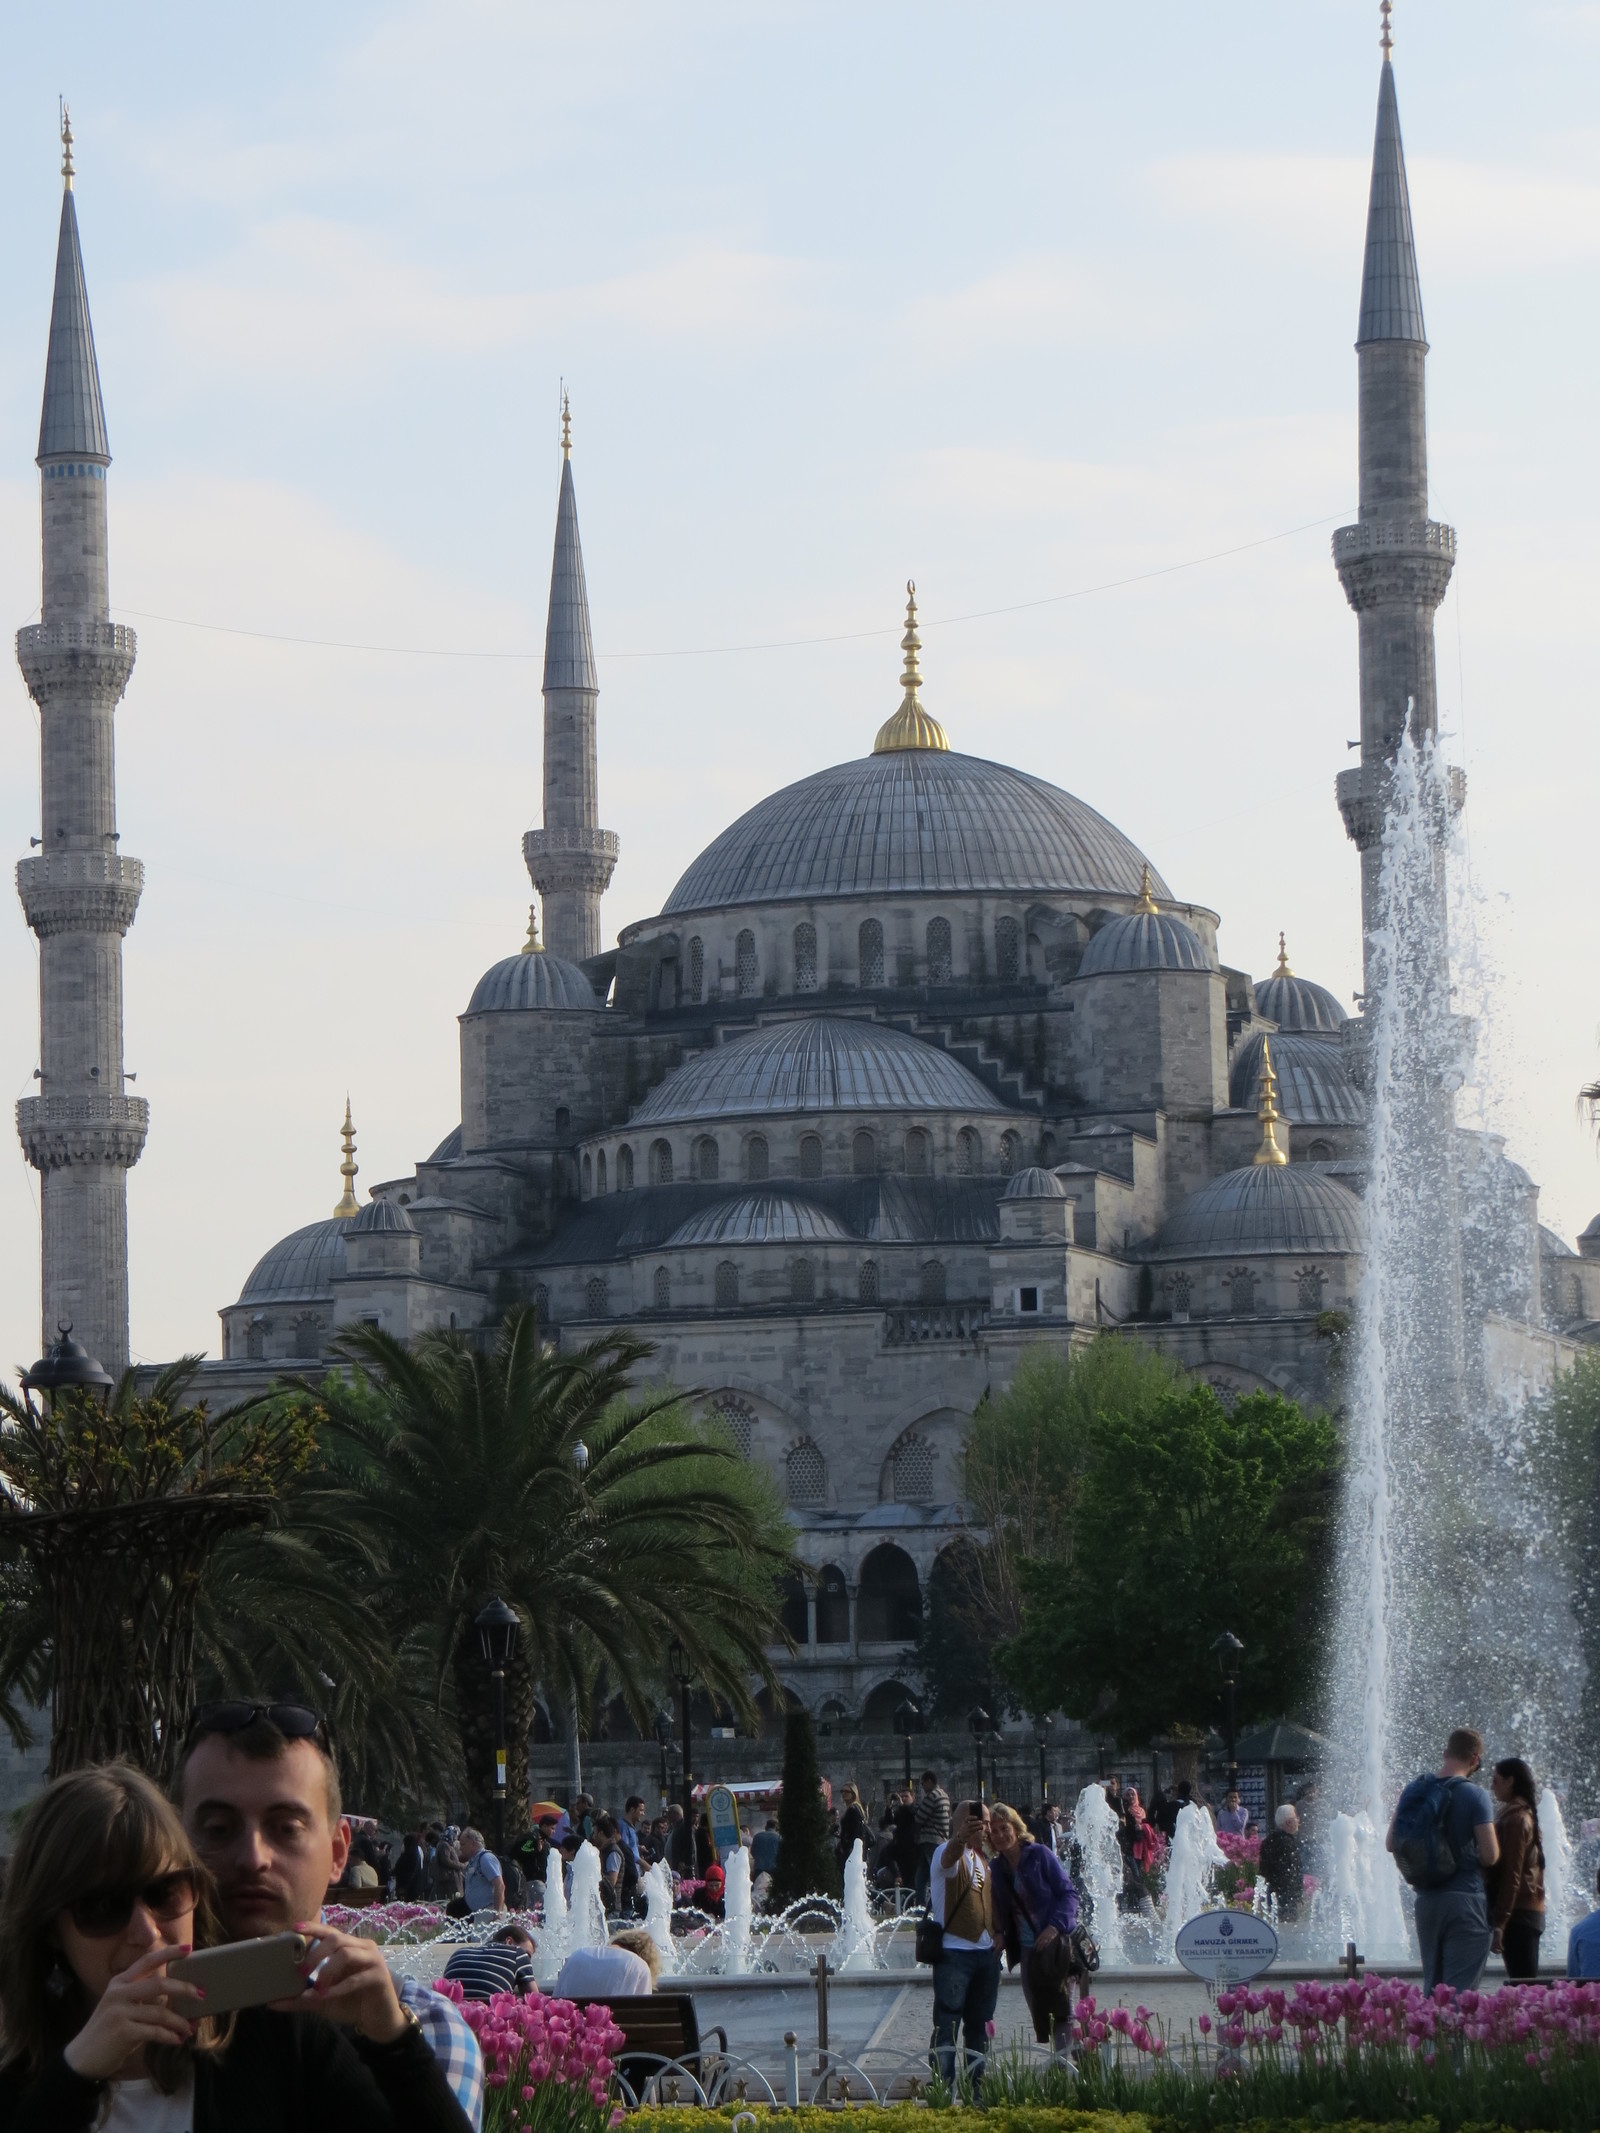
point(246, 1973)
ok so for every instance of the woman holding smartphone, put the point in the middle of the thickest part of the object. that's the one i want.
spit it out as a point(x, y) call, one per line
point(104, 1892)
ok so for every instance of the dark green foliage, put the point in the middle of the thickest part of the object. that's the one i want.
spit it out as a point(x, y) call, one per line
point(806, 1864)
point(961, 1626)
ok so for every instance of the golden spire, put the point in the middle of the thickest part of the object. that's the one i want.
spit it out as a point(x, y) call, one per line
point(1146, 906)
point(533, 945)
point(66, 145)
point(911, 727)
point(349, 1204)
point(1283, 970)
point(566, 425)
point(1270, 1116)
point(1385, 41)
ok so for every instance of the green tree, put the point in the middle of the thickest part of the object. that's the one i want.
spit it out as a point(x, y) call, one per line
point(806, 1865)
point(1188, 1520)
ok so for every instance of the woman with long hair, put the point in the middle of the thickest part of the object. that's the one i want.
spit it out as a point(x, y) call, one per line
point(104, 1892)
point(1516, 1880)
point(1035, 1916)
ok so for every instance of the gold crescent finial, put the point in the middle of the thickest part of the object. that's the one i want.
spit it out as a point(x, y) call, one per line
point(1385, 41)
point(348, 1204)
point(1269, 1153)
point(533, 945)
point(66, 144)
point(910, 727)
point(1146, 906)
point(566, 425)
point(1283, 970)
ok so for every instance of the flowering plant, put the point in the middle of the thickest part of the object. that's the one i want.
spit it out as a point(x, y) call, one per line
point(387, 1921)
point(547, 2063)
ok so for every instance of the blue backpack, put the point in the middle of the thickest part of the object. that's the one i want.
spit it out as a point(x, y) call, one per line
point(1422, 1848)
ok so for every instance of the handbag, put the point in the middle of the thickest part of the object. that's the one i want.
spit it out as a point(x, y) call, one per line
point(930, 1939)
point(1085, 1951)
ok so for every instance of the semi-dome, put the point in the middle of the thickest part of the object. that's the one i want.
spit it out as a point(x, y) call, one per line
point(819, 1063)
point(760, 1218)
point(532, 980)
point(1144, 940)
point(1589, 1240)
point(1035, 1184)
point(300, 1266)
point(381, 1215)
point(1552, 1246)
point(1314, 1085)
point(1267, 1207)
point(912, 819)
point(1295, 1003)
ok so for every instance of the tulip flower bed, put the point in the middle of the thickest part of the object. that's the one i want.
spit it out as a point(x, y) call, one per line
point(388, 1921)
point(547, 2064)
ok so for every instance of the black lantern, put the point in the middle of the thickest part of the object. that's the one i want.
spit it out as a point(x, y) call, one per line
point(682, 1674)
point(1041, 1733)
point(67, 1367)
point(907, 1720)
point(1229, 1651)
point(497, 1627)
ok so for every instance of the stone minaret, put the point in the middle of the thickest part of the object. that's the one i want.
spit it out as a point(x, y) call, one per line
point(1395, 562)
point(571, 859)
point(82, 1132)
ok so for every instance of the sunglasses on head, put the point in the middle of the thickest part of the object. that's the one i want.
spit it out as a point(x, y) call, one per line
point(295, 1721)
point(104, 1912)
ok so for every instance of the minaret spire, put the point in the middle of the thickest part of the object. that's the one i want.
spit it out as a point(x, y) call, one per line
point(349, 1169)
point(571, 859)
point(82, 1132)
point(911, 726)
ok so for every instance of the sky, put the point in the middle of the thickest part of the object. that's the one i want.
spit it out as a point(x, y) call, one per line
point(1048, 307)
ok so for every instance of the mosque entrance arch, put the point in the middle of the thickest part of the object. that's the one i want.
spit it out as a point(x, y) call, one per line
point(889, 1609)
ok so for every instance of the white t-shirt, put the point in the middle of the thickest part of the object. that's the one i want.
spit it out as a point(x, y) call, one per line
point(603, 1974)
point(978, 1868)
point(140, 2107)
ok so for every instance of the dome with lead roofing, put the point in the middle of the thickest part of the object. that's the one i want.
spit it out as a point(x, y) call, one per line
point(1264, 1208)
point(760, 1218)
point(1295, 1003)
point(819, 1063)
point(1035, 1184)
point(1314, 1085)
point(534, 979)
point(300, 1267)
point(1143, 940)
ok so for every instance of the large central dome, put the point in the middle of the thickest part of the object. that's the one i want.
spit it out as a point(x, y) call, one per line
point(913, 819)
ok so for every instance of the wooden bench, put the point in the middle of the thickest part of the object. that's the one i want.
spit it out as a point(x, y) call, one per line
point(657, 2027)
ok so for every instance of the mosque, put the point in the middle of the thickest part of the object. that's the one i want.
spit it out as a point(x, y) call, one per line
point(922, 1063)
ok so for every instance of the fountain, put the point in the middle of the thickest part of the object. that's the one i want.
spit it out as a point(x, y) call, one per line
point(736, 1911)
point(857, 1936)
point(587, 1917)
point(657, 1886)
point(1194, 1858)
point(1094, 1828)
point(555, 1934)
point(1559, 1881)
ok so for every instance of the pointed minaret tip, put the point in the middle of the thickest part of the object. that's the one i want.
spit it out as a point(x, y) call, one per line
point(1385, 41)
point(1391, 293)
point(568, 640)
point(1283, 970)
point(566, 425)
point(348, 1205)
point(533, 945)
point(72, 424)
point(1269, 1154)
point(66, 146)
point(910, 727)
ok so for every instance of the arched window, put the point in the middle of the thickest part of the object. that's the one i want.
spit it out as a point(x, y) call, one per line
point(930, 1288)
point(1320, 1152)
point(624, 1168)
point(911, 1469)
point(588, 1175)
point(1010, 1152)
point(917, 1151)
point(661, 1162)
point(755, 1156)
point(833, 1608)
point(255, 1341)
point(802, 1281)
point(594, 1296)
point(889, 1606)
point(600, 1171)
point(969, 1152)
point(307, 1336)
point(1047, 1149)
point(1181, 1292)
point(806, 1474)
point(1308, 1286)
point(727, 1285)
point(737, 1419)
point(705, 1157)
point(697, 967)
point(805, 957)
point(810, 1156)
point(1242, 1289)
point(663, 1289)
point(867, 1282)
point(939, 965)
point(746, 966)
point(864, 1155)
point(869, 947)
point(541, 1305)
point(1008, 950)
point(792, 1609)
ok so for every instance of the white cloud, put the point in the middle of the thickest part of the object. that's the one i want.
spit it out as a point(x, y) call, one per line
point(1044, 299)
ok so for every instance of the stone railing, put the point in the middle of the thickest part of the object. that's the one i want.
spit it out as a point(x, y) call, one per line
point(910, 1323)
point(61, 658)
point(80, 892)
point(77, 637)
point(1389, 536)
point(606, 843)
point(56, 1130)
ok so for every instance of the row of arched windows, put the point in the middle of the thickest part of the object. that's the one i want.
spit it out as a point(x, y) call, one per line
point(705, 1158)
point(871, 968)
point(800, 1274)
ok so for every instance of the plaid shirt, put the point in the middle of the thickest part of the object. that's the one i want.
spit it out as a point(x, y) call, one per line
point(451, 2043)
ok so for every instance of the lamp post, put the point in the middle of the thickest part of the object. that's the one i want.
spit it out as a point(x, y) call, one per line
point(979, 1723)
point(907, 1720)
point(663, 1741)
point(1229, 1651)
point(497, 1627)
point(1041, 1733)
point(682, 1673)
point(67, 1366)
point(580, 1467)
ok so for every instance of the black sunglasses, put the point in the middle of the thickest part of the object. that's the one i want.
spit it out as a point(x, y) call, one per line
point(295, 1721)
point(104, 1912)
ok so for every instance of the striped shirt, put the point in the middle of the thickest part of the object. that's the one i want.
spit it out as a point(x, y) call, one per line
point(498, 1967)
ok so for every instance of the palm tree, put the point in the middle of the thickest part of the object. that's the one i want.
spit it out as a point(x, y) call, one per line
point(468, 1472)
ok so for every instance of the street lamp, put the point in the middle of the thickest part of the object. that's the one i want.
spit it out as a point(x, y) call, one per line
point(1041, 1733)
point(67, 1367)
point(907, 1720)
point(682, 1673)
point(663, 1741)
point(1229, 1651)
point(979, 1723)
point(497, 1627)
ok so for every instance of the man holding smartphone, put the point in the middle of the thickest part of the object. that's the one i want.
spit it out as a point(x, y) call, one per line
point(259, 1795)
point(966, 1976)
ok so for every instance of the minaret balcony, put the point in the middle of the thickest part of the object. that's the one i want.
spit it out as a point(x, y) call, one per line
point(59, 1130)
point(80, 892)
point(1400, 561)
point(1363, 795)
point(56, 657)
point(581, 859)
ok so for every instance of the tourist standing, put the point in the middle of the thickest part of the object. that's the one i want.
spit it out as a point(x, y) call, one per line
point(966, 1975)
point(933, 1825)
point(1234, 1818)
point(1515, 1882)
point(483, 1885)
point(1035, 1915)
point(1443, 1839)
point(447, 1866)
point(1283, 1866)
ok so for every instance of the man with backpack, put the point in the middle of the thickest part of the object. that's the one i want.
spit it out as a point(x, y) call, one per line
point(1442, 1837)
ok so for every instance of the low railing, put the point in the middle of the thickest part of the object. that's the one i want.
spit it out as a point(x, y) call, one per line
point(77, 637)
point(1410, 536)
point(910, 1323)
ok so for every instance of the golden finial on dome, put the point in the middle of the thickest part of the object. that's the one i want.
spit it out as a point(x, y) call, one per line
point(1385, 41)
point(1146, 906)
point(66, 145)
point(566, 425)
point(1267, 1111)
point(1283, 970)
point(911, 727)
point(533, 945)
point(349, 1204)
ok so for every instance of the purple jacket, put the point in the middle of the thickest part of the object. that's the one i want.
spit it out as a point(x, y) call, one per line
point(1041, 1889)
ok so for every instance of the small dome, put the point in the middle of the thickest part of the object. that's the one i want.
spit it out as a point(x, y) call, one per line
point(760, 1218)
point(381, 1215)
point(1036, 1184)
point(1288, 1208)
point(1589, 1240)
point(540, 980)
point(1143, 940)
point(1553, 1247)
point(1314, 1085)
point(813, 1065)
point(299, 1267)
point(1295, 1003)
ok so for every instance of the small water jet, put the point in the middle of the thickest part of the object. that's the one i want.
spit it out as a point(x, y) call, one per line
point(1094, 1828)
point(856, 1940)
point(1194, 1858)
point(586, 1916)
point(737, 1911)
point(657, 1885)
